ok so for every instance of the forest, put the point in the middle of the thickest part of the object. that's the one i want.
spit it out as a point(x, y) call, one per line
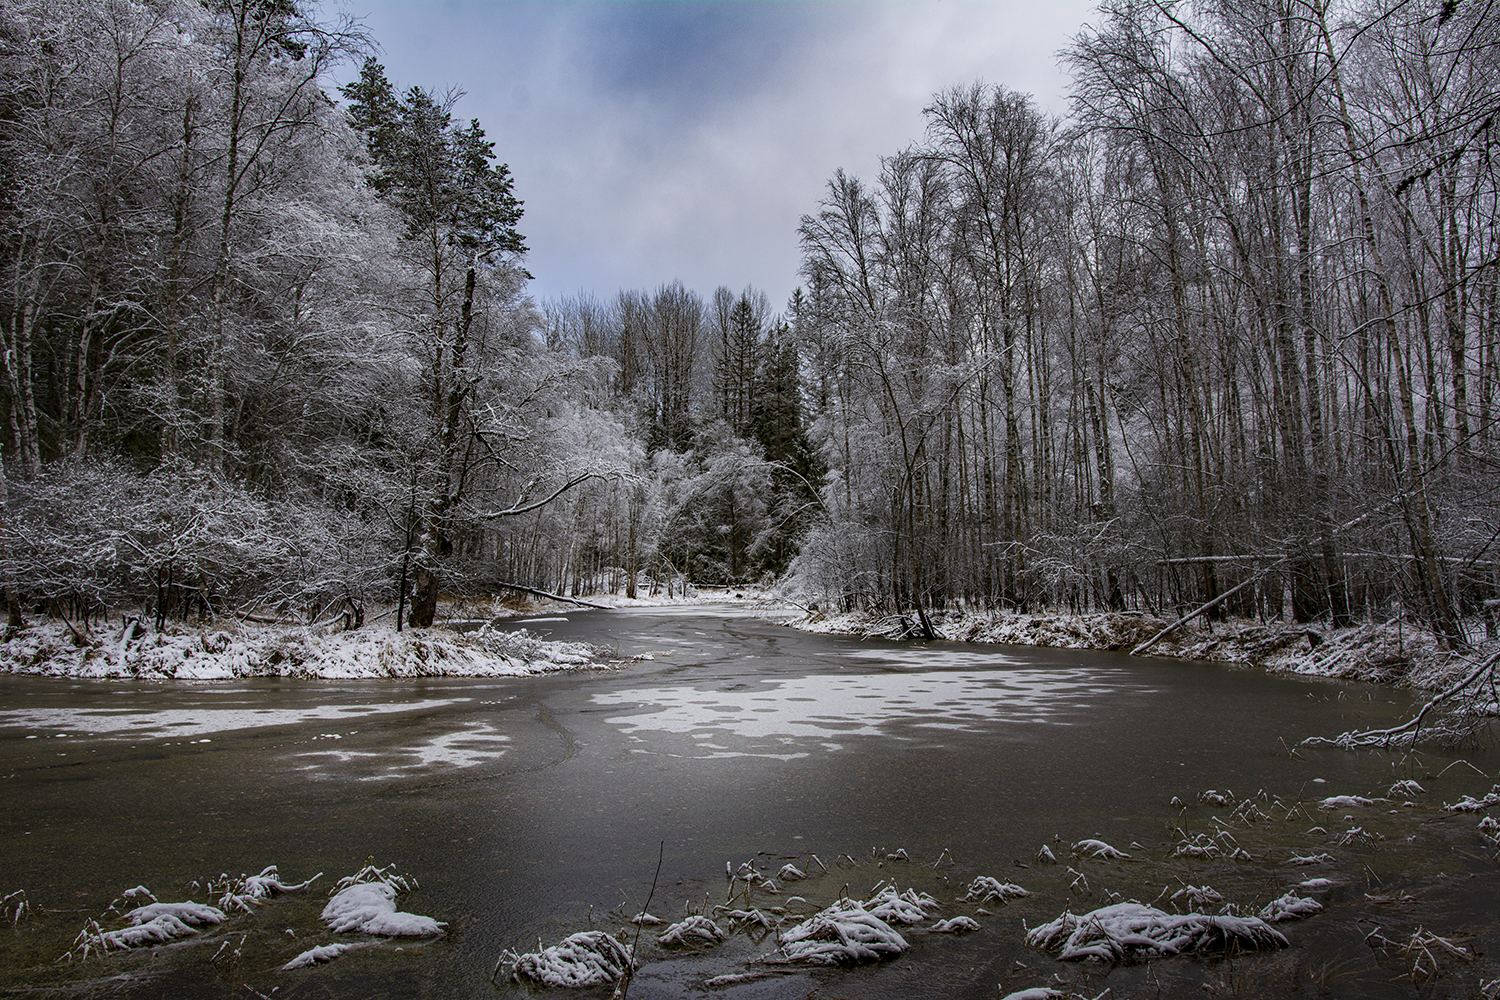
point(1229, 329)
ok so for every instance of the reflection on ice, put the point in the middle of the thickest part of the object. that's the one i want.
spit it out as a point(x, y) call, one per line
point(146, 723)
point(819, 708)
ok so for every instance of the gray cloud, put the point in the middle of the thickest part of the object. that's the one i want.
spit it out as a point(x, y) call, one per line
point(684, 140)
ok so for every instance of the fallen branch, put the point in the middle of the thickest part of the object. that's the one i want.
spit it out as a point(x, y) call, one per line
point(1158, 637)
point(1412, 726)
point(555, 597)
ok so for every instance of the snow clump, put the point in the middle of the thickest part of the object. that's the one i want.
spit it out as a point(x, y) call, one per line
point(588, 958)
point(250, 891)
point(1289, 907)
point(893, 906)
point(991, 890)
point(1469, 804)
point(844, 933)
point(1127, 930)
point(314, 956)
point(1099, 849)
point(958, 925)
point(696, 929)
point(1345, 802)
point(366, 902)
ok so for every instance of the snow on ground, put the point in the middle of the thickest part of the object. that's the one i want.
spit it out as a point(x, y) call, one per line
point(1372, 651)
point(230, 649)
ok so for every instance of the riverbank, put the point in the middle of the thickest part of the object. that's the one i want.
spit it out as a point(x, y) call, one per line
point(460, 645)
point(1379, 652)
point(233, 648)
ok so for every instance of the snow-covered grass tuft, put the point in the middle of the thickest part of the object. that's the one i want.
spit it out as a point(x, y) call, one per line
point(152, 923)
point(365, 902)
point(695, 930)
point(894, 906)
point(957, 925)
point(1470, 804)
point(985, 889)
point(1289, 907)
point(15, 907)
point(588, 958)
point(1345, 802)
point(1124, 931)
point(315, 956)
point(1099, 849)
point(245, 892)
point(230, 649)
point(842, 934)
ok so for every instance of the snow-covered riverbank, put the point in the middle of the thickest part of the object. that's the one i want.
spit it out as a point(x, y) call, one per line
point(231, 648)
point(1386, 652)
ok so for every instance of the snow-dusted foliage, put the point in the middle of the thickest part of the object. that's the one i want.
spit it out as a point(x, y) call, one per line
point(844, 933)
point(696, 929)
point(1289, 907)
point(318, 955)
point(986, 889)
point(1133, 930)
point(1345, 802)
point(243, 649)
point(151, 923)
point(955, 925)
point(1470, 804)
point(365, 902)
point(588, 958)
point(897, 907)
point(1099, 849)
point(245, 892)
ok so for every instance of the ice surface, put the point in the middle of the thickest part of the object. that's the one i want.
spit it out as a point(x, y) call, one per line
point(829, 708)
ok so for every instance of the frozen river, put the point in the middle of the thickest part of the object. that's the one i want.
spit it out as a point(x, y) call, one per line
point(530, 808)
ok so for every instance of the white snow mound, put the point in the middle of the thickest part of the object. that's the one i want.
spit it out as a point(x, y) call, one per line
point(696, 929)
point(1128, 930)
point(896, 907)
point(1289, 907)
point(991, 890)
point(958, 925)
point(370, 908)
point(588, 958)
point(196, 914)
point(314, 956)
point(844, 933)
point(1099, 849)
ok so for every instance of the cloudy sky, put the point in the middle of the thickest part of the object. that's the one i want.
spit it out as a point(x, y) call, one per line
point(663, 140)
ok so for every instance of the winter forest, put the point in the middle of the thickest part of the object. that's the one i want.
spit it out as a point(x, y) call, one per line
point(1229, 329)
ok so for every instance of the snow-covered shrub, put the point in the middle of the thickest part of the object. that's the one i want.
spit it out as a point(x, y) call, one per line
point(366, 902)
point(696, 929)
point(894, 906)
point(844, 933)
point(957, 925)
point(1289, 907)
point(245, 892)
point(1099, 849)
point(317, 955)
point(588, 958)
point(1133, 930)
point(991, 890)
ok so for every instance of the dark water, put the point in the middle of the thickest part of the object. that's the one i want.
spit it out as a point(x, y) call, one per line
point(534, 807)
